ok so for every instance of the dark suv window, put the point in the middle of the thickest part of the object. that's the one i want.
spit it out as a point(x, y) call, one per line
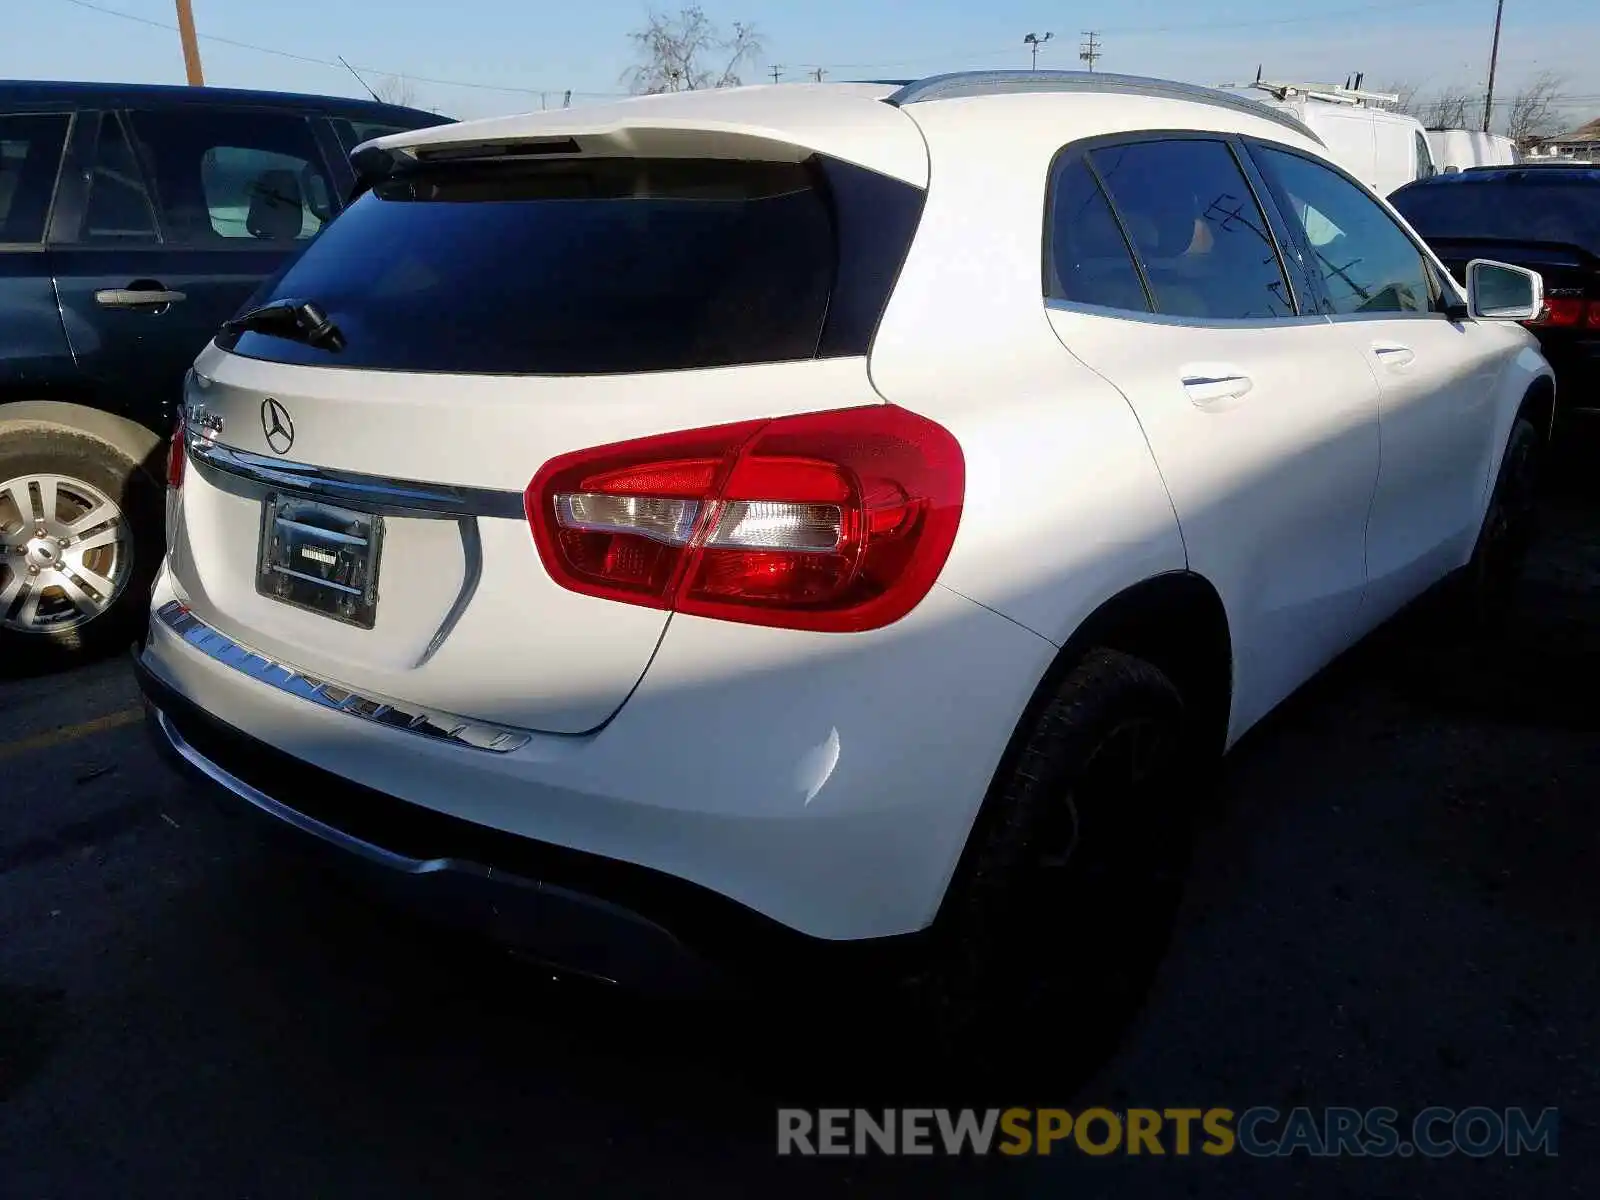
point(1197, 229)
point(30, 156)
point(602, 266)
point(352, 133)
point(1367, 262)
point(235, 176)
point(118, 207)
point(1088, 260)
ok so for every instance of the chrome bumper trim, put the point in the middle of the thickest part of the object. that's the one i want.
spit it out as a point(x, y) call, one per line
point(429, 723)
point(372, 492)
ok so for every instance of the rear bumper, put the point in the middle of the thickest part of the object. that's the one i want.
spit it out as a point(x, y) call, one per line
point(575, 911)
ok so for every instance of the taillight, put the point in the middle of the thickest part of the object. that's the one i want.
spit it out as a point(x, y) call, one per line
point(1566, 312)
point(836, 521)
point(177, 454)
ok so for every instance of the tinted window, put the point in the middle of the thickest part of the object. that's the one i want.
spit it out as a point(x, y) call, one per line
point(352, 133)
point(1366, 261)
point(30, 154)
point(602, 266)
point(118, 209)
point(235, 175)
point(1548, 210)
point(1088, 260)
point(1197, 229)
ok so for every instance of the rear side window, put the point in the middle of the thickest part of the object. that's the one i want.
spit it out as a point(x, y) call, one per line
point(30, 156)
point(1088, 261)
point(235, 176)
point(1197, 229)
point(1521, 211)
point(601, 266)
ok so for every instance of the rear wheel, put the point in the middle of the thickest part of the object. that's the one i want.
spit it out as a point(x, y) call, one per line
point(79, 542)
point(1063, 907)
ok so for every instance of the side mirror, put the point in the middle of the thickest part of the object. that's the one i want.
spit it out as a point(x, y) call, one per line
point(1500, 292)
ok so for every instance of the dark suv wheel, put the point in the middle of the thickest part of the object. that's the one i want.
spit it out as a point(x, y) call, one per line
point(79, 544)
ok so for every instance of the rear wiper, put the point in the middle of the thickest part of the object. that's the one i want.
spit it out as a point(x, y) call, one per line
point(298, 320)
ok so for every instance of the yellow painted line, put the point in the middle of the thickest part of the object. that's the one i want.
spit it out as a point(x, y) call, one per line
point(70, 733)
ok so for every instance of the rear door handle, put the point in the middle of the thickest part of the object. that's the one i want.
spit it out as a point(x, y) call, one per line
point(1393, 354)
point(1211, 385)
point(135, 297)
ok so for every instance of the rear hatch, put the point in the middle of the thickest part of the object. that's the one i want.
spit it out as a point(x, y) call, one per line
point(353, 501)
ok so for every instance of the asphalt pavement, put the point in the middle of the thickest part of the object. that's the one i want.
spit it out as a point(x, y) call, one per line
point(1395, 903)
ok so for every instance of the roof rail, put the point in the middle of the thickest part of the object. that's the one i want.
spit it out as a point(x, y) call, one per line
point(995, 83)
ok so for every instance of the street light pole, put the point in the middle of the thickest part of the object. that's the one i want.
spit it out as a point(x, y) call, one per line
point(1035, 41)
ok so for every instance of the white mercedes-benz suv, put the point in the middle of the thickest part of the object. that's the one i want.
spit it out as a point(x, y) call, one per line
point(838, 523)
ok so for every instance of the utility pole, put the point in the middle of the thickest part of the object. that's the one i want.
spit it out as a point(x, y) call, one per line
point(777, 72)
point(1035, 41)
point(1090, 50)
point(1494, 61)
point(191, 44)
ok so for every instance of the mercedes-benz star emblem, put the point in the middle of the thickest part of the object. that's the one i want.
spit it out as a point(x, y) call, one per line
point(277, 425)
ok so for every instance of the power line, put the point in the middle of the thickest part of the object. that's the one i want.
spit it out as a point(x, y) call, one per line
point(326, 62)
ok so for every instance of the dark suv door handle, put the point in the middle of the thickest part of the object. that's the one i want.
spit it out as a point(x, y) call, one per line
point(135, 297)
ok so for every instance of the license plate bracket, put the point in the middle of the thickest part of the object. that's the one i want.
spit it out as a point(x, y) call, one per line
point(320, 558)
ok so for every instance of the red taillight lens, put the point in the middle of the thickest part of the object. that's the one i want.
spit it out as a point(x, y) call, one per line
point(1560, 312)
point(833, 521)
point(177, 454)
point(1594, 314)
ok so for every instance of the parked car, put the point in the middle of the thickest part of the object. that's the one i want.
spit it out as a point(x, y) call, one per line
point(1462, 149)
point(822, 527)
point(1544, 216)
point(133, 221)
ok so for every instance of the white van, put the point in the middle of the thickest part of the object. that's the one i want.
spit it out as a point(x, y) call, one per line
point(1384, 150)
point(1458, 149)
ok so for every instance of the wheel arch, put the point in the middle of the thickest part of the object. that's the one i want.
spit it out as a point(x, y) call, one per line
point(133, 441)
point(1176, 621)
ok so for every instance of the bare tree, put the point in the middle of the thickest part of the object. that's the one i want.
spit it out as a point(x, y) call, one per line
point(687, 52)
point(1449, 109)
point(1532, 115)
point(1407, 102)
point(396, 89)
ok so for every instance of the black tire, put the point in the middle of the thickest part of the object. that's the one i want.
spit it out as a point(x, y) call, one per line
point(79, 460)
point(1486, 591)
point(1064, 902)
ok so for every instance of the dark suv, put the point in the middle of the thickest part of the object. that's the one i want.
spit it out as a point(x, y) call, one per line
point(1543, 216)
point(134, 220)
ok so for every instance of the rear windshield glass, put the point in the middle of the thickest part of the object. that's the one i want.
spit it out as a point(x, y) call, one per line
point(1520, 211)
point(598, 266)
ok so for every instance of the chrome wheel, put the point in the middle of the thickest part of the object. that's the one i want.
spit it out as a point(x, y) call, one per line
point(65, 553)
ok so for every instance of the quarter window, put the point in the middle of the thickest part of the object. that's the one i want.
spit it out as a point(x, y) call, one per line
point(1089, 261)
point(1197, 229)
point(1366, 261)
point(30, 155)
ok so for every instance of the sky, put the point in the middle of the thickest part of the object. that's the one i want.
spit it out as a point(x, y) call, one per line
point(472, 58)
